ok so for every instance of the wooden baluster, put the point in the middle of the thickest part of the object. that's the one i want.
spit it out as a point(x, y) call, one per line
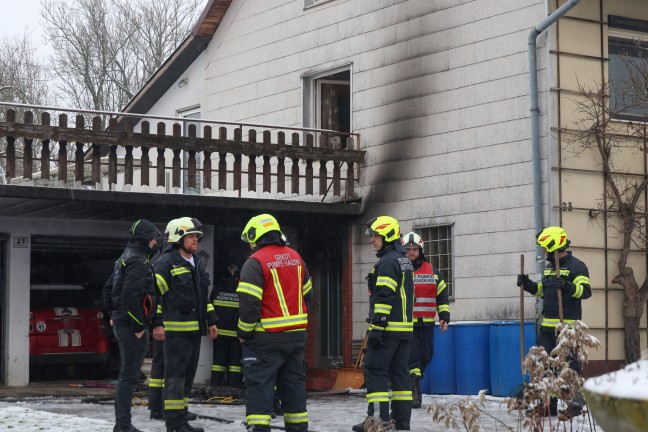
point(207, 166)
point(161, 131)
point(62, 152)
point(11, 147)
point(323, 177)
point(309, 167)
point(222, 161)
point(267, 174)
point(237, 160)
point(45, 149)
point(191, 162)
point(145, 162)
point(176, 166)
point(336, 178)
point(294, 175)
point(78, 154)
point(96, 152)
point(128, 166)
point(350, 180)
point(252, 163)
point(281, 166)
point(28, 150)
point(112, 166)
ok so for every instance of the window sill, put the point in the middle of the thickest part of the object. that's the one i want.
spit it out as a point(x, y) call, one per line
point(314, 3)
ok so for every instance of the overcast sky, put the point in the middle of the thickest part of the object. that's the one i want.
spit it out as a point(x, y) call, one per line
point(19, 16)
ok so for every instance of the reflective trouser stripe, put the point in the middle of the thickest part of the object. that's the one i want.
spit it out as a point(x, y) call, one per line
point(174, 404)
point(218, 368)
point(258, 419)
point(296, 417)
point(402, 395)
point(156, 382)
point(378, 397)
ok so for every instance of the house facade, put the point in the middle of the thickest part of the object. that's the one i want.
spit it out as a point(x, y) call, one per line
point(437, 96)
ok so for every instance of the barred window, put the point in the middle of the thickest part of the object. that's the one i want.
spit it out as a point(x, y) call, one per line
point(437, 248)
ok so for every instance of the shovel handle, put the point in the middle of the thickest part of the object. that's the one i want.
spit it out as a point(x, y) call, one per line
point(521, 313)
point(558, 291)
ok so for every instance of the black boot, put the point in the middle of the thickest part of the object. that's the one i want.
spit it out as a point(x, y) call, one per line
point(190, 416)
point(541, 409)
point(217, 379)
point(360, 427)
point(417, 397)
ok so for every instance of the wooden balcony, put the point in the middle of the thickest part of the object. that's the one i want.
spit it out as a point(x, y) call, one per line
point(128, 152)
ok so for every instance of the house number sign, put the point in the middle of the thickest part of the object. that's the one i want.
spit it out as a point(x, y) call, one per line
point(20, 242)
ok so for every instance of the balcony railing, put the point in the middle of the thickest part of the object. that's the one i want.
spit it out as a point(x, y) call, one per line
point(121, 151)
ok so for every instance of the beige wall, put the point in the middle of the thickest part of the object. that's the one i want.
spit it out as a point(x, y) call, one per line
point(580, 53)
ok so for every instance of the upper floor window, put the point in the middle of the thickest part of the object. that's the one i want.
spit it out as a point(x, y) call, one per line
point(628, 66)
point(327, 100)
point(438, 251)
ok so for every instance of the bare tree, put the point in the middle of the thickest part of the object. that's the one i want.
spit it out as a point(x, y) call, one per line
point(22, 76)
point(106, 50)
point(623, 206)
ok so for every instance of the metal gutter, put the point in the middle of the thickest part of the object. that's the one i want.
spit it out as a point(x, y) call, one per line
point(535, 119)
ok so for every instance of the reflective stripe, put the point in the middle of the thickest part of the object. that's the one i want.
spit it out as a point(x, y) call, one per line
point(443, 308)
point(301, 319)
point(403, 296)
point(300, 291)
point(387, 281)
point(415, 371)
point(225, 303)
point(578, 284)
point(228, 333)
point(181, 326)
point(161, 284)
point(248, 288)
point(156, 382)
point(159, 308)
point(377, 397)
point(426, 299)
point(382, 308)
point(424, 309)
point(246, 327)
point(441, 286)
point(134, 319)
point(308, 287)
point(296, 417)
point(400, 326)
point(540, 292)
point(279, 291)
point(210, 307)
point(180, 270)
point(553, 322)
point(235, 369)
point(402, 395)
point(376, 327)
point(173, 404)
point(552, 272)
point(258, 419)
point(218, 368)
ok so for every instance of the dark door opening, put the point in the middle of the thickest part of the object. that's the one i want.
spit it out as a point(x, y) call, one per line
point(3, 306)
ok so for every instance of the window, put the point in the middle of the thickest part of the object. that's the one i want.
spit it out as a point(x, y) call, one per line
point(628, 55)
point(438, 250)
point(327, 100)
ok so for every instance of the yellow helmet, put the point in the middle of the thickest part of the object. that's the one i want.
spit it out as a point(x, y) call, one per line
point(553, 238)
point(258, 226)
point(386, 226)
point(178, 228)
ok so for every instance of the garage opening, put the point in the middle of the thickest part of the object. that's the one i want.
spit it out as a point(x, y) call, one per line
point(69, 332)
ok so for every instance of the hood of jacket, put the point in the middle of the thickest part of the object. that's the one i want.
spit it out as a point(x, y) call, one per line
point(142, 232)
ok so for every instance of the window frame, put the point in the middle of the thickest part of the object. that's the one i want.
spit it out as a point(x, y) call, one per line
point(310, 111)
point(426, 232)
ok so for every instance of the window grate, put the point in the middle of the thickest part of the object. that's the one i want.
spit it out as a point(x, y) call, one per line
point(437, 247)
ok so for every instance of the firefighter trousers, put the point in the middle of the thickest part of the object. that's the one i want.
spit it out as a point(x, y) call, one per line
point(181, 351)
point(387, 364)
point(421, 349)
point(226, 360)
point(269, 359)
point(156, 381)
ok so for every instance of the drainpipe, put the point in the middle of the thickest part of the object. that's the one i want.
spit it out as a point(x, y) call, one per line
point(535, 120)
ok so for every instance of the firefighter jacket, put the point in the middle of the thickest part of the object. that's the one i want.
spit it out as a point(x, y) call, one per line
point(226, 304)
point(273, 291)
point(132, 299)
point(183, 290)
point(430, 294)
point(572, 270)
point(391, 293)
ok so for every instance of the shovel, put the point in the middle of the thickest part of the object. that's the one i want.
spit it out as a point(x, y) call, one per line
point(351, 377)
point(518, 390)
point(558, 292)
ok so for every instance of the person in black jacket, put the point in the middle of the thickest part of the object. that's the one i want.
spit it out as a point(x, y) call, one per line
point(226, 364)
point(574, 283)
point(187, 315)
point(131, 305)
point(391, 299)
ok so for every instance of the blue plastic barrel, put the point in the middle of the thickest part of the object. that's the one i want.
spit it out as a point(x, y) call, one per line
point(505, 371)
point(472, 356)
point(439, 376)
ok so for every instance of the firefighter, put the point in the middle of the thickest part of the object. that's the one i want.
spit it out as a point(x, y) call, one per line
point(131, 304)
point(187, 315)
point(226, 365)
point(273, 294)
point(391, 298)
point(574, 283)
point(430, 297)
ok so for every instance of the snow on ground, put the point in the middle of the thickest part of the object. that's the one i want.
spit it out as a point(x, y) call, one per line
point(326, 414)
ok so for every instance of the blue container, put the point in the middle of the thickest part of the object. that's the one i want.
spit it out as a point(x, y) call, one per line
point(439, 376)
point(506, 371)
point(472, 357)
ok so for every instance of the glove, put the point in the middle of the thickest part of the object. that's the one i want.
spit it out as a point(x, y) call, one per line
point(379, 319)
point(564, 285)
point(523, 280)
point(375, 339)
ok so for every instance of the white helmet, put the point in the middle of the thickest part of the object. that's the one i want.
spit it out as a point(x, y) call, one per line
point(412, 239)
point(178, 228)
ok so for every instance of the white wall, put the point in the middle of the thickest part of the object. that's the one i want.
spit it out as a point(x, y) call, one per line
point(440, 98)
